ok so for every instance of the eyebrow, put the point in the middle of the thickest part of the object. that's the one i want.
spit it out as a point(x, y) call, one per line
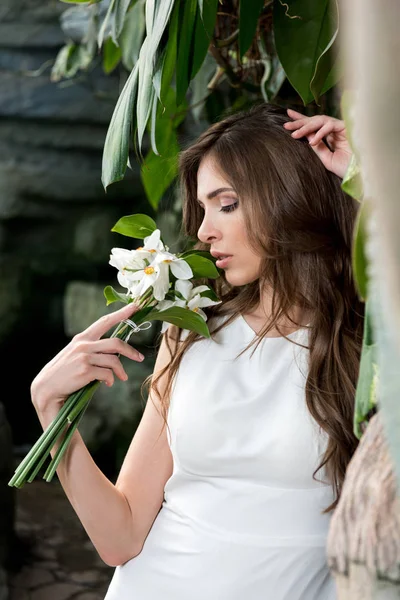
point(212, 195)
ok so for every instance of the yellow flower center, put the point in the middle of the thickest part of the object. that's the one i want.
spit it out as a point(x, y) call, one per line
point(167, 260)
point(152, 250)
point(196, 309)
point(140, 248)
point(149, 270)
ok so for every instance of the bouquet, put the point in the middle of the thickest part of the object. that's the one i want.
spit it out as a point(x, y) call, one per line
point(159, 282)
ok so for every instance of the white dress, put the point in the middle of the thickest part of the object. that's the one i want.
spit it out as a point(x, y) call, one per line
point(241, 517)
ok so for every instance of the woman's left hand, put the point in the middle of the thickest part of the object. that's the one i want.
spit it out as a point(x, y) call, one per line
point(336, 157)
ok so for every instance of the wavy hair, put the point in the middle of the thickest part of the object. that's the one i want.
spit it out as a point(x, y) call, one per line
point(301, 221)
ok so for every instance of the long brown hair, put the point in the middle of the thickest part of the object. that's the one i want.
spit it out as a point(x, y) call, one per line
point(301, 222)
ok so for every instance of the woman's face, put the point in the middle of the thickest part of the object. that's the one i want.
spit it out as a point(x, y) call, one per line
point(223, 226)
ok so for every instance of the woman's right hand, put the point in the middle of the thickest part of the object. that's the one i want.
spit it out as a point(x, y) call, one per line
point(85, 359)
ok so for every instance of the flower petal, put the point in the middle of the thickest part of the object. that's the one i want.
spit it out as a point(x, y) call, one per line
point(184, 287)
point(152, 242)
point(181, 269)
point(199, 289)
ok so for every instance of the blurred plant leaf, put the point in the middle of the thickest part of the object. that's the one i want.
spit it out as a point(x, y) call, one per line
point(359, 256)
point(249, 12)
point(184, 61)
point(366, 398)
point(111, 56)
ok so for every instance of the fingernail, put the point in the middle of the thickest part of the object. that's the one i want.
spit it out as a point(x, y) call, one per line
point(141, 357)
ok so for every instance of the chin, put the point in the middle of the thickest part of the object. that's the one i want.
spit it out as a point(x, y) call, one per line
point(238, 279)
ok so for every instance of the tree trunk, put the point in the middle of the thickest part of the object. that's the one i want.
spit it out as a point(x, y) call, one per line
point(363, 544)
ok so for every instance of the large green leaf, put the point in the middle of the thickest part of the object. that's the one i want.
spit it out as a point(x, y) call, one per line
point(116, 145)
point(183, 318)
point(184, 60)
point(249, 11)
point(136, 226)
point(325, 73)
point(203, 31)
point(304, 32)
point(147, 61)
point(365, 398)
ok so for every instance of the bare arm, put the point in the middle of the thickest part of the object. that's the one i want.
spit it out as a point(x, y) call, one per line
point(117, 518)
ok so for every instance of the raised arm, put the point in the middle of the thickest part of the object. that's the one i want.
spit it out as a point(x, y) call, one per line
point(336, 155)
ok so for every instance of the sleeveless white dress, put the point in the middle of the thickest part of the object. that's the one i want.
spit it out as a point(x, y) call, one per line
point(241, 517)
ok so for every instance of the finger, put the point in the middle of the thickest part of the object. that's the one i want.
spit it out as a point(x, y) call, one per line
point(114, 346)
point(311, 126)
point(319, 135)
point(322, 151)
point(109, 361)
point(100, 327)
point(294, 124)
point(105, 375)
point(294, 113)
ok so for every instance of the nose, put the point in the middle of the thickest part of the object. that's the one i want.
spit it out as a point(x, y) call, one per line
point(207, 232)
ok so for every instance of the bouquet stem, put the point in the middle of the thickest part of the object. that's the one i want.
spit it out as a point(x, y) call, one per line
point(66, 421)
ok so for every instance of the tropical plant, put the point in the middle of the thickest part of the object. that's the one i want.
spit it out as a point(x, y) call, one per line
point(179, 54)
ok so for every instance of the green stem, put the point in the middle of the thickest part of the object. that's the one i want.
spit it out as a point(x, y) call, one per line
point(83, 401)
point(45, 439)
point(51, 469)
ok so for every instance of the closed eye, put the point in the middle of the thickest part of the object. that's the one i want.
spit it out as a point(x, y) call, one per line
point(230, 208)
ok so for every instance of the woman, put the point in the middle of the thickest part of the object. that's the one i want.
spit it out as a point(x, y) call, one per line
point(233, 497)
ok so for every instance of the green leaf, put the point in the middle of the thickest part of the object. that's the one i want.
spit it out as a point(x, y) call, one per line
point(111, 56)
point(132, 34)
point(359, 256)
point(121, 8)
point(325, 66)
point(147, 60)
point(249, 12)
point(135, 226)
point(352, 182)
point(304, 33)
point(185, 51)
point(116, 146)
point(365, 398)
point(203, 31)
point(183, 318)
point(210, 294)
point(112, 295)
point(105, 23)
point(201, 266)
point(159, 171)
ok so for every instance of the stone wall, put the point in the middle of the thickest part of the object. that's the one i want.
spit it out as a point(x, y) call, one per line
point(55, 233)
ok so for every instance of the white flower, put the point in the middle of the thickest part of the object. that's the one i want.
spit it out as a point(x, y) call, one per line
point(127, 262)
point(192, 299)
point(152, 245)
point(179, 267)
point(151, 276)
